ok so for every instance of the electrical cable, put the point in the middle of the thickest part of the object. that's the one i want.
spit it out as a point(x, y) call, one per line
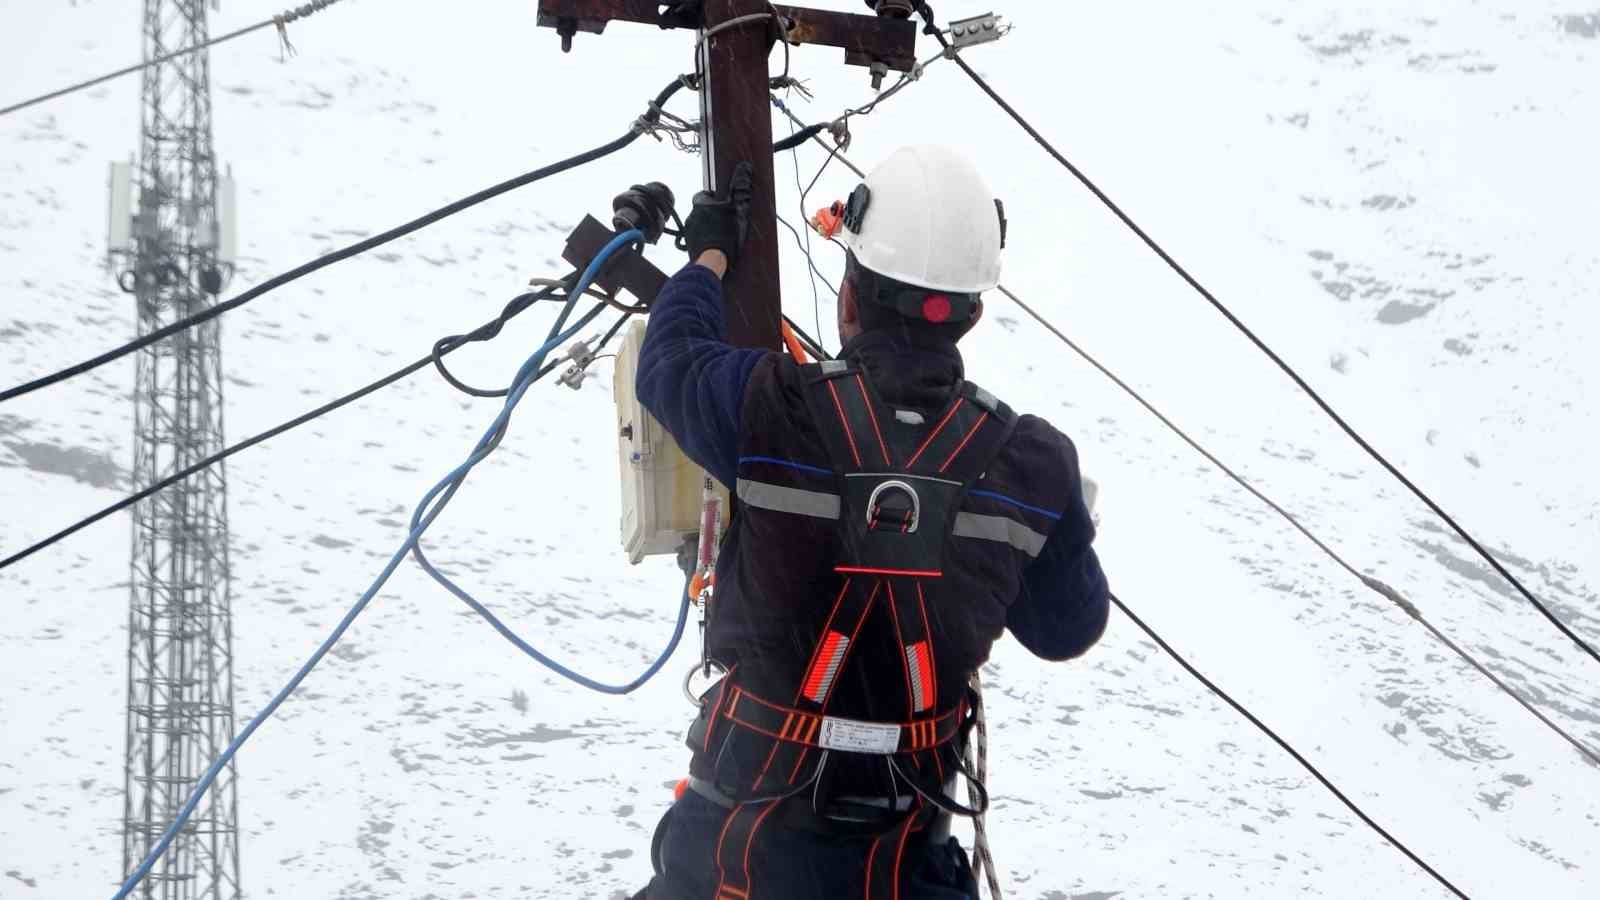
point(906, 78)
point(247, 443)
point(483, 611)
point(1261, 345)
point(815, 272)
point(302, 419)
point(644, 123)
point(1287, 747)
point(794, 156)
point(491, 329)
point(782, 107)
point(282, 19)
point(817, 177)
point(427, 511)
point(485, 332)
point(1371, 582)
point(796, 138)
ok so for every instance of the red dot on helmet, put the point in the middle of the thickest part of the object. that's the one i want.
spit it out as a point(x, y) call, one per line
point(936, 308)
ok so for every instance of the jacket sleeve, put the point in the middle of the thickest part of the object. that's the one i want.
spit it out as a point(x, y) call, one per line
point(1064, 601)
point(689, 377)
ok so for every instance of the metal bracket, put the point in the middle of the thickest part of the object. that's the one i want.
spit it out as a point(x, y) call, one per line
point(984, 29)
point(629, 272)
point(865, 39)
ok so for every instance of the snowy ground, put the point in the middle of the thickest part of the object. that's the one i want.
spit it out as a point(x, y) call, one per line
point(1399, 196)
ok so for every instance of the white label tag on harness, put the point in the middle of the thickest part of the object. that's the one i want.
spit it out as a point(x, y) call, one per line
point(851, 736)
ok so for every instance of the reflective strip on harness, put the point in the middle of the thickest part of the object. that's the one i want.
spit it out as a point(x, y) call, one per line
point(919, 663)
point(777, 498)
point(999, 528)
point(820, 678)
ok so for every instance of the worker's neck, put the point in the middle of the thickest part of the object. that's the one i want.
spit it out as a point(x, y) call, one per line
point(909, 368)
point(899, 340)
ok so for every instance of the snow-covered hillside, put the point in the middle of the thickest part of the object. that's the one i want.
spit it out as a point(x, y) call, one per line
point(1399, 196)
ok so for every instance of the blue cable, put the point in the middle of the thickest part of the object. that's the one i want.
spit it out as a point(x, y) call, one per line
point(419, 524)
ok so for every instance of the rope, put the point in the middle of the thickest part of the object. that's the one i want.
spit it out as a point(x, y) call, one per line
point(978, 763)
point(431, 505)
point(1261, 345)
point(1288, 748)
point(1376, 585)
point(279, 21)
point(322, 262)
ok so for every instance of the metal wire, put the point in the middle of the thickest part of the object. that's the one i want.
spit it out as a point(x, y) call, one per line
point(279, 20)
point(1261, 345)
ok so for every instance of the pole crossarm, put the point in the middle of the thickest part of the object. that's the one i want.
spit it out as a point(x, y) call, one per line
point(865, 39)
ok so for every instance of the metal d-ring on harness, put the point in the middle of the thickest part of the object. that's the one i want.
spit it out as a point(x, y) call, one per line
point(896, 509)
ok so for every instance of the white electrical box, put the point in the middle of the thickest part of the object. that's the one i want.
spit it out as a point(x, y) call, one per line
point(119, 219)
point(662, 491)
point(227, 224)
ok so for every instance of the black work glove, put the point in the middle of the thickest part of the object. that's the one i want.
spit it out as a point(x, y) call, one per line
point(721, 221)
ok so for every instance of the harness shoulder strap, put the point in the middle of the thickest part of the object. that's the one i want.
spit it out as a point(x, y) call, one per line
point(966, 438)
point(849, 417)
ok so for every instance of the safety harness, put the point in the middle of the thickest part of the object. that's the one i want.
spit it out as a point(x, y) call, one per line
point(899, 492)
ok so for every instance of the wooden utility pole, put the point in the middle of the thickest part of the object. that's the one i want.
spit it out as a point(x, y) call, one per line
point(736, 125)
point(735, 111)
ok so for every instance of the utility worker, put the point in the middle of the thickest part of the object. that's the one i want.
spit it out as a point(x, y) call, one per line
point(893, 520)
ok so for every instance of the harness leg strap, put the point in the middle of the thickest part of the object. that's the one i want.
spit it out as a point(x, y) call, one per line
point(886, 856)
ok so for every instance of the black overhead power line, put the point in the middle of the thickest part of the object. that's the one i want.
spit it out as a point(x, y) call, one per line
point(649, 122)
point(1371, 582)
point(645, 123)
point(1261, 345)
point(1288, 748)
point(280, 20)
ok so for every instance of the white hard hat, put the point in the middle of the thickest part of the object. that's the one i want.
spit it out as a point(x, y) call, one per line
point(927, 219)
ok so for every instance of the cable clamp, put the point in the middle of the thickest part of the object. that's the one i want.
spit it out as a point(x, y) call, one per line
point(984, 29)
point(840, 130)
point(787, 81)
point(1393, 596)
point(580, 355)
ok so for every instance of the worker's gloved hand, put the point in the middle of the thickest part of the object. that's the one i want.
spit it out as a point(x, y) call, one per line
point(721, 221)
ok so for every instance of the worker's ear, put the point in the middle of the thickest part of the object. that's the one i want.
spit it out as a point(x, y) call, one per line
point(849, 310)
